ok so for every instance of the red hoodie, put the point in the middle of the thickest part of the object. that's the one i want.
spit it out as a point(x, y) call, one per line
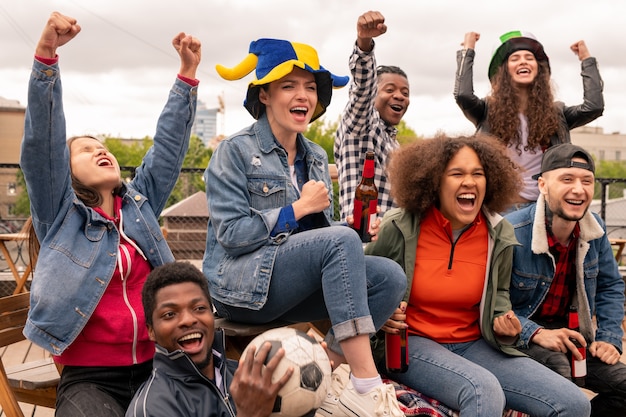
point(116, 333)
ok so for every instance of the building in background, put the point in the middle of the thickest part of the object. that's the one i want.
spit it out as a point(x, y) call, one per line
point(12, 115)
point(205, 123)
point(603, 147)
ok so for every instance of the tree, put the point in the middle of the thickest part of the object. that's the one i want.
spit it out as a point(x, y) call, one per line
point(22, 202)
point(406, 134)
point(323, 134)
point(611, 169)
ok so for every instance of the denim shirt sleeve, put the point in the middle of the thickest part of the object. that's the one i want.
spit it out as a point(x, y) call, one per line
point(286, 221)
point(160, 168)
point(44, 157)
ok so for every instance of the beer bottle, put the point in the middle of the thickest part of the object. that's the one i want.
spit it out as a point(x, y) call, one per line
point(578, 367)
point(365, 200)
point(396, 352)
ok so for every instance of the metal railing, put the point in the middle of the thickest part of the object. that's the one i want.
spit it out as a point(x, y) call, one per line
point(186, 234)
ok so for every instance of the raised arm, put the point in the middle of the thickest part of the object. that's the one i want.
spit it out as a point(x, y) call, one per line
point(369, 25)
point(59, 30)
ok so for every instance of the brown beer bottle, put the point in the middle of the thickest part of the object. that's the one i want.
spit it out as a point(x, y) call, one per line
point(365, 200)
point(579, 367)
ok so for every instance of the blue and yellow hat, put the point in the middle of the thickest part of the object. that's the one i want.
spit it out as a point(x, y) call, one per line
point(275, 58)
point(513, 41)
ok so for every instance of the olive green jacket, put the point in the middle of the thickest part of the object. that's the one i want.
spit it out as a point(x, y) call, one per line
point(397, 240)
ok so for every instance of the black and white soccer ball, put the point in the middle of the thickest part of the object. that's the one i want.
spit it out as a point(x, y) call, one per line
point(306, 389)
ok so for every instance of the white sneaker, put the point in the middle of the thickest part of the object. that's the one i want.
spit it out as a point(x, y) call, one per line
point(379, 402)
point(339, 379)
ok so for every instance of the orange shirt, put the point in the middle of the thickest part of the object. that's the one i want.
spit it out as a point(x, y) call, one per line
point(448, 281)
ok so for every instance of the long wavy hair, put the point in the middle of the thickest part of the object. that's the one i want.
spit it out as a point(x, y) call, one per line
point(416, 170)
point(541, 112)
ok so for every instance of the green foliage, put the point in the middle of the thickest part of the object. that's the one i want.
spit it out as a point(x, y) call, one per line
point(610, 169)
point(22, 203)
point(128, 153)
point(323, 134)
point(406, 134)
point(198, 156)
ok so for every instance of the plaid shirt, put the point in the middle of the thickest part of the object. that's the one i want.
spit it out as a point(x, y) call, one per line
point(361, 129)
point(557, 301)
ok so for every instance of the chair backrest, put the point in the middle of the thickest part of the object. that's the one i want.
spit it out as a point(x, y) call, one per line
point(32, 382)
point(13, 312)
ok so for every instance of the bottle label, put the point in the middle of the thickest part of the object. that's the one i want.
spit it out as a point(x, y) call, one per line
point(364, 216)
point(579, 368)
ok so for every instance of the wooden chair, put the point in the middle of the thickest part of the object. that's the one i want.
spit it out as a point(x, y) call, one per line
point(31, 382)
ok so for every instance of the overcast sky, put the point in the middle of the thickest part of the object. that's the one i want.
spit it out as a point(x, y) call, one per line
point(117, 72)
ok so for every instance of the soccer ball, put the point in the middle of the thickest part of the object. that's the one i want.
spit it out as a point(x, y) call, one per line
point(306, 389)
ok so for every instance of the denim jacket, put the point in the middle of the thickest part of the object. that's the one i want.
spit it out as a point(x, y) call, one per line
point(78, 246)
point(599, 285)
point(247, 183)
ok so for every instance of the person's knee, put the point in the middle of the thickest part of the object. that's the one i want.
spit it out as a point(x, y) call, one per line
point(483, 390)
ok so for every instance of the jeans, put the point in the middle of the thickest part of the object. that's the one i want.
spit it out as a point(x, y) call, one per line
point(478, 380)
point(99, 391)
point(323, 273)
point(609, 381)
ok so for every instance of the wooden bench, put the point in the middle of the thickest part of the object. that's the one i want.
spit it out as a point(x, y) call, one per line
point(33, 382)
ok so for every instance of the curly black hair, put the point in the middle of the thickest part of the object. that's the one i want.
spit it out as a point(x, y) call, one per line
point(415, 171)
point(166, 275)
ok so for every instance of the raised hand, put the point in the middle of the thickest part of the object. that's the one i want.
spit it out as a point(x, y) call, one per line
point(59, 30)
point(470, 39)
point(580, 49)
point(369, 25)
point(190, 51)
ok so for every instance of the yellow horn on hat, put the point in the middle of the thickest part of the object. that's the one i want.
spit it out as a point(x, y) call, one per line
point(239, 71)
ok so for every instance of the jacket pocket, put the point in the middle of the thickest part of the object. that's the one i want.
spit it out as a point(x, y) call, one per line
point(80, 242)
point(267, 193)
point(523, 286)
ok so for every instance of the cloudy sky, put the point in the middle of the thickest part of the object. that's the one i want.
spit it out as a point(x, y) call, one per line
point(117, 72)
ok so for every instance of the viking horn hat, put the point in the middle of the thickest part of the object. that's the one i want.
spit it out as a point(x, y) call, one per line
point(275, 58)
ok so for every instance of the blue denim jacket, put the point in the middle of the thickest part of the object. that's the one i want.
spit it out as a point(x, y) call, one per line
point(600, 287)
point(78, 246)
point(247, 183)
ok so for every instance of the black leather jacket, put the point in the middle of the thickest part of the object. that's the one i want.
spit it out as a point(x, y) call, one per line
point(475, 109)
point(177, 388)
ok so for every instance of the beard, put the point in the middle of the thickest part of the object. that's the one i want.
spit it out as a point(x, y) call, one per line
point(206, 361)
point(559, 211)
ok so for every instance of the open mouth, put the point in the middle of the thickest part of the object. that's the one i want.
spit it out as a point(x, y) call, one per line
point(523, 71)
point(467, 200)
point(104, 162)
point(575, 202)
point(396, 107)
point(300, 110)
point(191, 341)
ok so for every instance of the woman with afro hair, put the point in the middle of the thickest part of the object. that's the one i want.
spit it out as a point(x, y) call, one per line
point(456, 251)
